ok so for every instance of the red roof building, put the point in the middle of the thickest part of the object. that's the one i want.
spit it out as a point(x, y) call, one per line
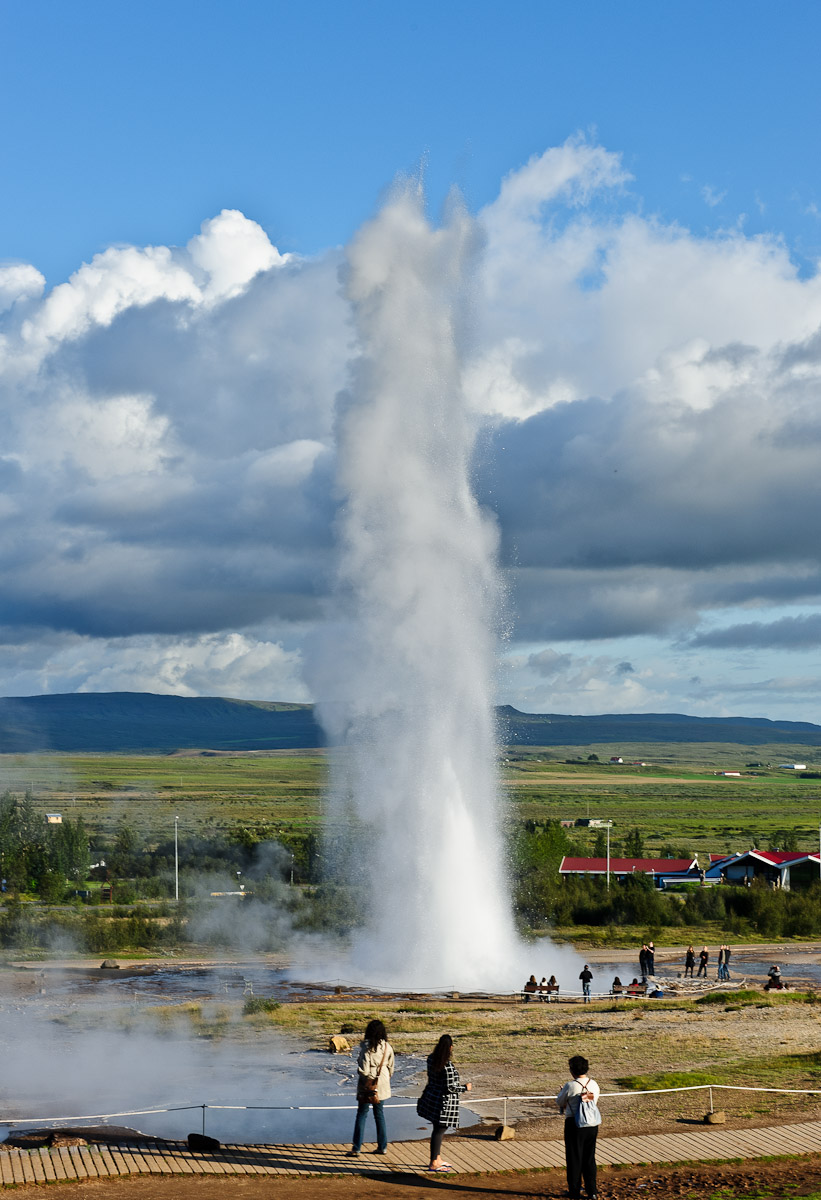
point(662, 870)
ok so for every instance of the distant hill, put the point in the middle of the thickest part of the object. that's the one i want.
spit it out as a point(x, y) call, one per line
point(119, 722)
point(555, 729)
point(140, 722)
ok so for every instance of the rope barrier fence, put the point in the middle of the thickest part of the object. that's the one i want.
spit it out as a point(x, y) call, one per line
point(470, 1102)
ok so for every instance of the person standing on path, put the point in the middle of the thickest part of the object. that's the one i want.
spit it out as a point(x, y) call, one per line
point(579, 1144)
point(703, 959)
point(721, 961)
point(643, 960)
point(727, 953)
point(650, 958)
point(689, 962)
point(586, 977)
point(439, 1102)
point(375, 1066)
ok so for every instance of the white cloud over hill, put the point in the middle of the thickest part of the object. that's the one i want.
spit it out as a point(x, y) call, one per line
point(651, 419)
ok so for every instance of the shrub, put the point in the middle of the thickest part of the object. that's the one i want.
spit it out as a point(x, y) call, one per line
point(259, 1004)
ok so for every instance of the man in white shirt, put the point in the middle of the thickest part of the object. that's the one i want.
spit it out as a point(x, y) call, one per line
point(579, 1144)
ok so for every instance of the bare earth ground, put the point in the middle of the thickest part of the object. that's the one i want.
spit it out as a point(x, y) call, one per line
point(782, 1178)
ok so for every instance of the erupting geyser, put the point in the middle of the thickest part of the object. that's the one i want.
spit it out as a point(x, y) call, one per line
point(410, 706)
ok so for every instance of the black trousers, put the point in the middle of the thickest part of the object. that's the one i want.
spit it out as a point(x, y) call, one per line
point(580, 1155)
point(437, 1133)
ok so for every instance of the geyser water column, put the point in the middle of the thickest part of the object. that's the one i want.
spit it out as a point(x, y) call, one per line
point(414, 770)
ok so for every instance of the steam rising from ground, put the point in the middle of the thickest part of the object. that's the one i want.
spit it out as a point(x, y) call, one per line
point(415, 774)
point(82, 1048)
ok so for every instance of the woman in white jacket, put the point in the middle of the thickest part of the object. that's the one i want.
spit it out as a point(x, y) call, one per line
point(375, 1063)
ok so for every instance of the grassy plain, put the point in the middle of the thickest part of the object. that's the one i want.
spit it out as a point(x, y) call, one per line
point(207, 792)
point(677, 799)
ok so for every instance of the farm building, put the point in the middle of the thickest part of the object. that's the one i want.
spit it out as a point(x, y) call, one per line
point(662, 870)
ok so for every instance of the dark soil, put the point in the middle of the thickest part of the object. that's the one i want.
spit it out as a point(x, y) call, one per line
point(780, 1178)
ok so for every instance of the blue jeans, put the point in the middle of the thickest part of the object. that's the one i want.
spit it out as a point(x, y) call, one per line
point(359, 1126)
point(586, 990)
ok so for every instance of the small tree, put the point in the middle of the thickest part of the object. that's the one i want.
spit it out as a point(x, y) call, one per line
point(634, 844)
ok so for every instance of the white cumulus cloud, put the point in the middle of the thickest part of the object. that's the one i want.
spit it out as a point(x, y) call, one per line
point(651, 419)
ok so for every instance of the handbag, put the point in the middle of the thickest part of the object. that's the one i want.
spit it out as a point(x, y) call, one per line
point(427, 1106)
point(366, 1087)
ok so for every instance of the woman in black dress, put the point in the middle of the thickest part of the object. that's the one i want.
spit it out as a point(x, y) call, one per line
point(439, 1102)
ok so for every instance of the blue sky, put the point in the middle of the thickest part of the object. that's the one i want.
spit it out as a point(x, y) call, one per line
point(131, 123)
point(179, 181)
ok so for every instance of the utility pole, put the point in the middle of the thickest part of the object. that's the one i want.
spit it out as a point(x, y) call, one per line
point(176, 862)
point(609, 823)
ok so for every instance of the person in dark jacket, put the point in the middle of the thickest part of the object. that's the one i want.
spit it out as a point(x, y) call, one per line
point(703, 959)
point(586, 977)
point(439, 1102)
point(650, 958)
point(643, 960)
point(774, 979)
point(530, 988)
point(689, 962)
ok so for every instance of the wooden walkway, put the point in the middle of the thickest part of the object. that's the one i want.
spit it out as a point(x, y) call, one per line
point(468, 1155)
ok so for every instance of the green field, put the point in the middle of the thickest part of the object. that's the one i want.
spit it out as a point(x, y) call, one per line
point(678, 799)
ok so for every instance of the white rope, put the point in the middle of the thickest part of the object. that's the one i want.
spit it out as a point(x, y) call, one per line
point(136, 1112)
point(470, 1102)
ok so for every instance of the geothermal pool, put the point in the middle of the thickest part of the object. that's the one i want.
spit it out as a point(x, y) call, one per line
point(78, 1043)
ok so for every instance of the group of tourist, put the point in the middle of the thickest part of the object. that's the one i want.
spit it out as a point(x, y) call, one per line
point(647, 959)
point(539, 991)
point(636, 987)
point(724, 954)
point(439, 1104)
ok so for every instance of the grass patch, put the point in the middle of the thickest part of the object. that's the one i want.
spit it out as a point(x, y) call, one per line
point(807, 1064)
point(737, 999)
point(667, 1079)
